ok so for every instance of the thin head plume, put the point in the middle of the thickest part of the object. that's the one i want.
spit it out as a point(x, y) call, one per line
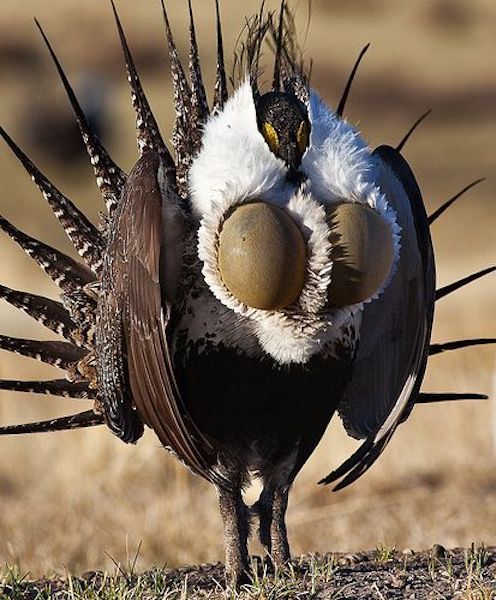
point(83, 234)
point(248, 49)
point(110, 178)
point(147, 131)
point(294, 75)
point(87, 418)
point(49, 313)
point(54, 387)
point(452, 287)
point(199, 104)
point(59, 354)
point(67, 273)
point(262, 25)
point(458, 344)
point(220, 93)
point(276, 82)
point(407, 135)
point(439, 211)
point(182, 140)
point(344, 97)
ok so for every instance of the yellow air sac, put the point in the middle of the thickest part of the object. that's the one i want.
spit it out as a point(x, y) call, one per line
point(262, 256)
point(362, 253)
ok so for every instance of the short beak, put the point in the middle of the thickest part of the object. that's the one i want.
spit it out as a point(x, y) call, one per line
point(293, 162)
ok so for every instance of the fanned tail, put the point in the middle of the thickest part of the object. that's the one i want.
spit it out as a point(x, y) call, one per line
point(430, 397)
point(83, 234)
point(407, 135)
point(452, 287)
point(457, 344)
point(110, 177)
point(199, 104)
point(67, 273)
point(50, 313)
point(53, 387)
point(220, 90)
point(56, 353)
point(147, 131)
point(439, 211)
point(88, 418)
point(182, 140)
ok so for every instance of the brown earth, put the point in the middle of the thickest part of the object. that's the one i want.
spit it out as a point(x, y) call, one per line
point(468, 574)
point(66, 500)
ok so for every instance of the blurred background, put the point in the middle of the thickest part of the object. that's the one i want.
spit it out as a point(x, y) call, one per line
point(70, 500)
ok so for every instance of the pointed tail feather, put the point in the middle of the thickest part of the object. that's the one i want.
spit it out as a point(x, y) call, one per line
point(199, 104)
point(48, 312)
point(220, 92)
point(455, 345)
point(427, 398)
point(407, 135)
point(54, 387)
point(58, 354)
point(452, 287)
point(110, 177)
point(439, 211)
point(67, 273)
point(181, 134)
point(344, 97)
point(88, 418)
point(83, 234)
point(147, 131)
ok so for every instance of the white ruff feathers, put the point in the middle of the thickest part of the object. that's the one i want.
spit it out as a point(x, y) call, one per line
point(235, 165)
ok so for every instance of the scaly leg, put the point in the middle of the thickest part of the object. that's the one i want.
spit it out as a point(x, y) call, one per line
point(236, 531)
point(278, 532)
point(271, 509)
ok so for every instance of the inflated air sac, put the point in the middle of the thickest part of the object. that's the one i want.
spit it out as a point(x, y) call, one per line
point(262, 256)
point(362, 252)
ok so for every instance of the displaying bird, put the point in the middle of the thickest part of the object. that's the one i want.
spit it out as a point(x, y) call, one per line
point(271, 271)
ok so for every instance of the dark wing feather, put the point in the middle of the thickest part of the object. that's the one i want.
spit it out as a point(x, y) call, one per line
point(133, 324)
point(395, 330)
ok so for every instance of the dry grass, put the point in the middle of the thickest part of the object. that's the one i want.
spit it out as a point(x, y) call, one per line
point(68, 499)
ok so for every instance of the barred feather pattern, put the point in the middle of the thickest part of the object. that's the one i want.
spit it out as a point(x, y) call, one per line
point(85, 237)
point(54, 387)
point(67, 273)
point(56, 353)
point(199, 104)
point(220, 89)
point(182, 141)
point(110, 178)
point(49, 313)
point(147, 131)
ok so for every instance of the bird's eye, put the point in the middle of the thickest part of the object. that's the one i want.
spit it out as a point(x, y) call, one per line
point(302, 136)
point(270, 136)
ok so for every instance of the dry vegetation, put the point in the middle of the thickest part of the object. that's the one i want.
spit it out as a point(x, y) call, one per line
point(69, 499)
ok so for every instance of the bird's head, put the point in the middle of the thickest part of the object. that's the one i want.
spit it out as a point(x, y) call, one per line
point(283, 121)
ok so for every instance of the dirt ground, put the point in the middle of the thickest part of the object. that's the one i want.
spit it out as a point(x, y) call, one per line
point(69, 501)
point(468, 574)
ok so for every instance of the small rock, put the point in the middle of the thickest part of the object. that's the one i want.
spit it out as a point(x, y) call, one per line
point(408, 552)
point(438, 551)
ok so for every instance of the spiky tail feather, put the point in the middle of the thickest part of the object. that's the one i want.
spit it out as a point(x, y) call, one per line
point(74, 317)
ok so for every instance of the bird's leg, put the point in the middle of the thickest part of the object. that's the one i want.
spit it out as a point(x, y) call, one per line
point(271, 510)
point(263, 509)
point(236, 531)
point(278, 532)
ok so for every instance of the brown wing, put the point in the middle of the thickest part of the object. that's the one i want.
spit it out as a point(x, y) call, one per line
point(135, 367)
point(395, 330)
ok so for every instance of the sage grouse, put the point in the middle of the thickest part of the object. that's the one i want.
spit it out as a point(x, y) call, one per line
point(268, 272)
